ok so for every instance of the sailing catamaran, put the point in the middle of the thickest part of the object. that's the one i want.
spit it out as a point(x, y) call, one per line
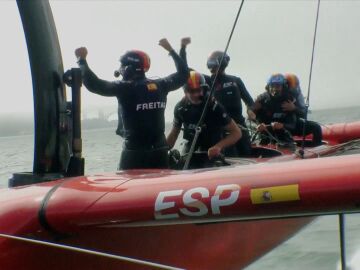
point(216, 218)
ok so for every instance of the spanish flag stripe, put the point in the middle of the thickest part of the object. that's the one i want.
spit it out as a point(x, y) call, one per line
point(275, 194)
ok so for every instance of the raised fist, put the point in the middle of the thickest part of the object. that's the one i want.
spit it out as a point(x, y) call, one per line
point(165, 44)
point(185, 41)
point(81, 53)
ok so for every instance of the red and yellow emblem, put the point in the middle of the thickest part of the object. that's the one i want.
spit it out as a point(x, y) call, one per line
point(151, 87)
point(194, 80)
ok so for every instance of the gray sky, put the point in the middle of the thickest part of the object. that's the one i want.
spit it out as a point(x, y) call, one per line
point(271, 36)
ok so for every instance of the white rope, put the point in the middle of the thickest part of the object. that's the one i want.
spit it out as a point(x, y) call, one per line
point(91, 252)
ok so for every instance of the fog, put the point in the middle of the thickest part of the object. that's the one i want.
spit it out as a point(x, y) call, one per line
point(270, 37)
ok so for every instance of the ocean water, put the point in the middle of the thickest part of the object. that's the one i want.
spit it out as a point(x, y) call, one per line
point(315, 247)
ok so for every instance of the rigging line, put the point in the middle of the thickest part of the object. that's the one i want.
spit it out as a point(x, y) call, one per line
point(269, 135)
point(203, 114)
point(307, 103)
point(342, 241)
point(272, 137)
point(312, 54)
point(91, 252)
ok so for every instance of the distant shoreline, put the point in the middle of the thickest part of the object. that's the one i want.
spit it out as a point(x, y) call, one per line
point(24, 125)
point(20, 126)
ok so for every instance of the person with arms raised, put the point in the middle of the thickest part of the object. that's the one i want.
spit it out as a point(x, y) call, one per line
point(142, 102)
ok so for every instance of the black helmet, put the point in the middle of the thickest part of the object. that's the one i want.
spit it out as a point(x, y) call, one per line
point(214, 60)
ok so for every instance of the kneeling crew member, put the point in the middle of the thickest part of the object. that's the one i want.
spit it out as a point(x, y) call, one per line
point(270, 113)
point(187, 113)
point(229, 91)
point(299, 107)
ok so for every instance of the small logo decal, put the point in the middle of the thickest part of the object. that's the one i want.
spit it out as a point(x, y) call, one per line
point(151, 86)
point(267, 196)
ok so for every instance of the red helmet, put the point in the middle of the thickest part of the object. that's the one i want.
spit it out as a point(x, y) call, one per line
point(292, 80)
point(139, 60)
point(195, 81)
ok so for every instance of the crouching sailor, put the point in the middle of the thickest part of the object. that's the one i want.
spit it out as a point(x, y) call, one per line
point(273, 119)
point(187, 113)
point(311, 127)
point(141, 102)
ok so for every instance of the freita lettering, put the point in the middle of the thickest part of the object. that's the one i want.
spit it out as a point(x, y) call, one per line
point(151, 106)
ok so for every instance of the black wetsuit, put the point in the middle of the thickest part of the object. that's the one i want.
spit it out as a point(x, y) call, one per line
point(311, 126)
point(188, 115)
point(120, 127)
point(271, 111)
point(229, 91)
point(143, 103)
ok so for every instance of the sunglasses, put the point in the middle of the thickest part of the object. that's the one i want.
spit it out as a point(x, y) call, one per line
point(212, 63)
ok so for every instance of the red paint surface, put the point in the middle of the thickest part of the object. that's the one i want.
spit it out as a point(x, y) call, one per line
point(98, 212)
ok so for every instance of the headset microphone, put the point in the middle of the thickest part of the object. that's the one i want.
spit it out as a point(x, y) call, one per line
point(117, 73)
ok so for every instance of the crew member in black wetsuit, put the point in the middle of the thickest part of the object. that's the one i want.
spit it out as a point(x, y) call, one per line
point(299, 108)
point(187, 113)
point(229, 91)
point(270, 113)
point(142, 102)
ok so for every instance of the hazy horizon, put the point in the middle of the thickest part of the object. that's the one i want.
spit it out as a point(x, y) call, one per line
point(271, 36)
point(15, 124)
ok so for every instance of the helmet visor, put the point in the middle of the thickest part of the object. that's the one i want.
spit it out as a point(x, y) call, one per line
point(212, 63)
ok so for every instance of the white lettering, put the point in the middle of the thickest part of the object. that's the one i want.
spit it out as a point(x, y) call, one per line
point(151, 106)
point(216, 202)
point(189, 201)
point(133, 59)
point(195, 205)
point(229, 84)
point(161, 205)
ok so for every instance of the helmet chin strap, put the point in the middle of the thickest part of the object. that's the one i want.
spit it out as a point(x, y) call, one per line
point(129, 72)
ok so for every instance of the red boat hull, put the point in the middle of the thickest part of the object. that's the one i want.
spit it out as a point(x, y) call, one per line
point(212, 246)
point(221, 218)
point(107, 213)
